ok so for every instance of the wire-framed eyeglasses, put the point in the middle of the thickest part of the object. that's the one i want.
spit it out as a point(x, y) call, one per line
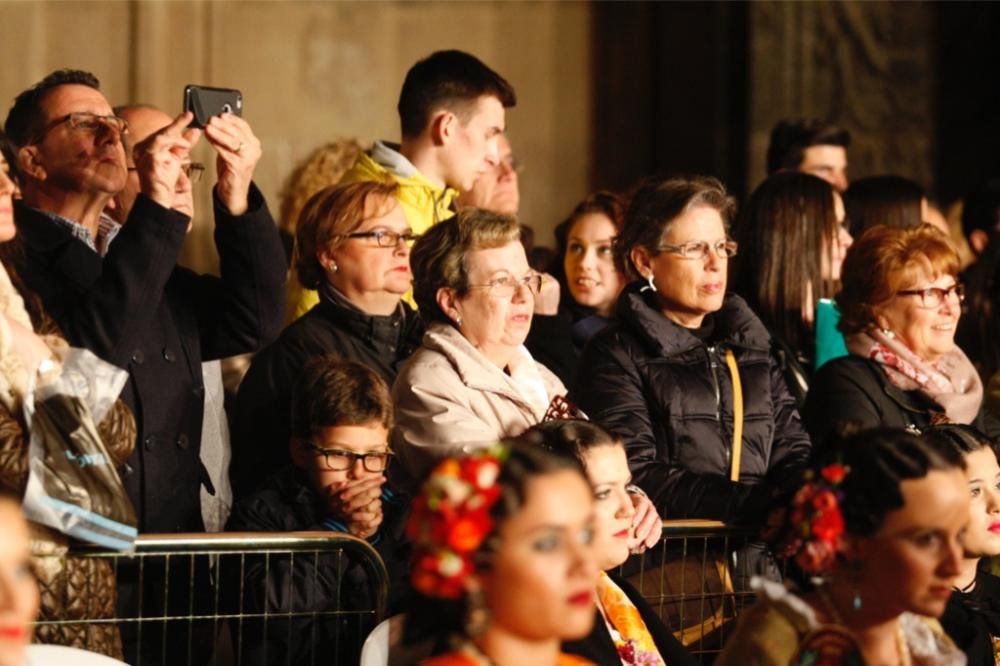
point(83, 121)
point(341, 460)
point(724, 249)
point(504, 286)
point(386, 238)
point(933, 297)
point(193, 170)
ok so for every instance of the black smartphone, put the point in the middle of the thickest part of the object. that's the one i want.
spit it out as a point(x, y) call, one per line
point(205, 102)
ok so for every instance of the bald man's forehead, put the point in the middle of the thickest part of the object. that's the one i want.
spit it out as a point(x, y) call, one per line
point(142, 122)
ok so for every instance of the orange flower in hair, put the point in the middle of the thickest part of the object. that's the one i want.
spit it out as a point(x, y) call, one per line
point(811, 527)
point(450, 519)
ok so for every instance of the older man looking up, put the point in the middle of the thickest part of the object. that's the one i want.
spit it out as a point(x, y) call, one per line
point(117, 289)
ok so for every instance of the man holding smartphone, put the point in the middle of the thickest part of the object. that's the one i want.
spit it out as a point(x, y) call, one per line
point(117, 289)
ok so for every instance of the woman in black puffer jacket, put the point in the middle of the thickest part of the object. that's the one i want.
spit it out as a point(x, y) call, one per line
point(662, 376)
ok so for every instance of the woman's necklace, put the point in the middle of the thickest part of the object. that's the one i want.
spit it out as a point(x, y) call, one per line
point(901, 647)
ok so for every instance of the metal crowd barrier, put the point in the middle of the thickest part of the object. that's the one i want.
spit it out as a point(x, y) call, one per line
point(697, 580)
point(199, 598)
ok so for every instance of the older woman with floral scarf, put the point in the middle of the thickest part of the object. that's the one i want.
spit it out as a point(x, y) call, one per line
point(900, 304)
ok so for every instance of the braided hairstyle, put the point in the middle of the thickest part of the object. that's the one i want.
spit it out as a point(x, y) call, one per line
point(879, 461)
point(570, 437)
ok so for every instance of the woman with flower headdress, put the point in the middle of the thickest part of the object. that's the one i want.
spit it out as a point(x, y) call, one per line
point(875, 532)
point(502, 559)
point(972, 616)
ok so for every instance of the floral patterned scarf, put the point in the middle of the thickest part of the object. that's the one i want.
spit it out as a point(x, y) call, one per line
point(951, 381)
point(632, 639)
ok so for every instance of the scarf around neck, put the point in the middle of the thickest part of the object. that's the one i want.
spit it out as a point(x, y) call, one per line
point(951, 381)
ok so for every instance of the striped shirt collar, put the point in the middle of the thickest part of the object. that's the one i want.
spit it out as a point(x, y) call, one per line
point(107, 229)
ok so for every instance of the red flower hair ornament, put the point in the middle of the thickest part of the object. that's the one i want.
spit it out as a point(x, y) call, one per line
point(449, 520)
point(810, 529)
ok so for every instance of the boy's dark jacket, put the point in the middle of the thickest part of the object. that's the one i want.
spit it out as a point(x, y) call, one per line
point(287, 503)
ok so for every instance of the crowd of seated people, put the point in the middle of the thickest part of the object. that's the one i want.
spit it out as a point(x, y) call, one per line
point(502, 438)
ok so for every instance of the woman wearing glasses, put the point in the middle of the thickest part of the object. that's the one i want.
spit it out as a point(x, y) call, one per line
point(900, 304)
point(472, 381)
point(685, 376)
point(354, 248)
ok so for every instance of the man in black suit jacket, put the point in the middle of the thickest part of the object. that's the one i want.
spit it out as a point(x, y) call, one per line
point(116, 289)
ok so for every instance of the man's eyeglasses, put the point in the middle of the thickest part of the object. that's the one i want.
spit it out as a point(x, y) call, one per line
point(505, 285)
point(193, 170)
point(724, 249)
point(933, 297)
point(385, 238)
point(87, 122)
point(339, 460)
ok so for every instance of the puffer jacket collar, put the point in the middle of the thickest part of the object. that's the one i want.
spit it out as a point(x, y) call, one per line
point(735, 324)
point(381, 330)
point(475, 370)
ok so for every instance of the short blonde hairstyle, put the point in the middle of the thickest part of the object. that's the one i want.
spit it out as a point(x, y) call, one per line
point(329, 216)
point(883, 260)
point(438, 257)
point(323, 167)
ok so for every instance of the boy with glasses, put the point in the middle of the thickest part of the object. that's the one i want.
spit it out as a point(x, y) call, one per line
point(341, 417)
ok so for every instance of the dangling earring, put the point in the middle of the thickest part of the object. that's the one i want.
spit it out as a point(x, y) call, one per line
point(476, 614)
point(650, 285)
point(458, 321)
point(855, 567)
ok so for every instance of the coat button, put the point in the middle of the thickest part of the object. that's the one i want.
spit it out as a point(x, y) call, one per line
point(168, 355)
point(198, 390)
point(149, 442)
point(183, 442)
point(138, 357)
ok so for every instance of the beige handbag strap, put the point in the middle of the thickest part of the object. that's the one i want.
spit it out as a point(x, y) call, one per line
point(734, 372)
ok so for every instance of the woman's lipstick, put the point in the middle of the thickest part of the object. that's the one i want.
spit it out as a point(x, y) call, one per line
point(584, 598)
point(13, 632)
point(994, 527)
point(624, 534)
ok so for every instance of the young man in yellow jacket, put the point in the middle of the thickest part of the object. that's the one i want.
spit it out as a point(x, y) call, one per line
point(451, 112)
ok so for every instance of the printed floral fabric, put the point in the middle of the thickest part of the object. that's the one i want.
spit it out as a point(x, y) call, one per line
point(632, 639)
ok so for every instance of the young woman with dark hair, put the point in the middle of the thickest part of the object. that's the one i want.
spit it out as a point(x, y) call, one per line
point(876, 532)
point(626, 628)
point(589, 279)
point(972, 616)
point(503, 558)
point(792, 236)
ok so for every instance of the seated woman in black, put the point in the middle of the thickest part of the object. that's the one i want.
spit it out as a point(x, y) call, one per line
point(626, 629)
point(972, 616)
point(341, 417)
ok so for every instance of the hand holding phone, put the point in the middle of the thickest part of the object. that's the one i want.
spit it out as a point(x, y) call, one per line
point(219, 111)
point(205, 102)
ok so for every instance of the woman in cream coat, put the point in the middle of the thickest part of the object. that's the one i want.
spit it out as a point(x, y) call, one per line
point(472, 381)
